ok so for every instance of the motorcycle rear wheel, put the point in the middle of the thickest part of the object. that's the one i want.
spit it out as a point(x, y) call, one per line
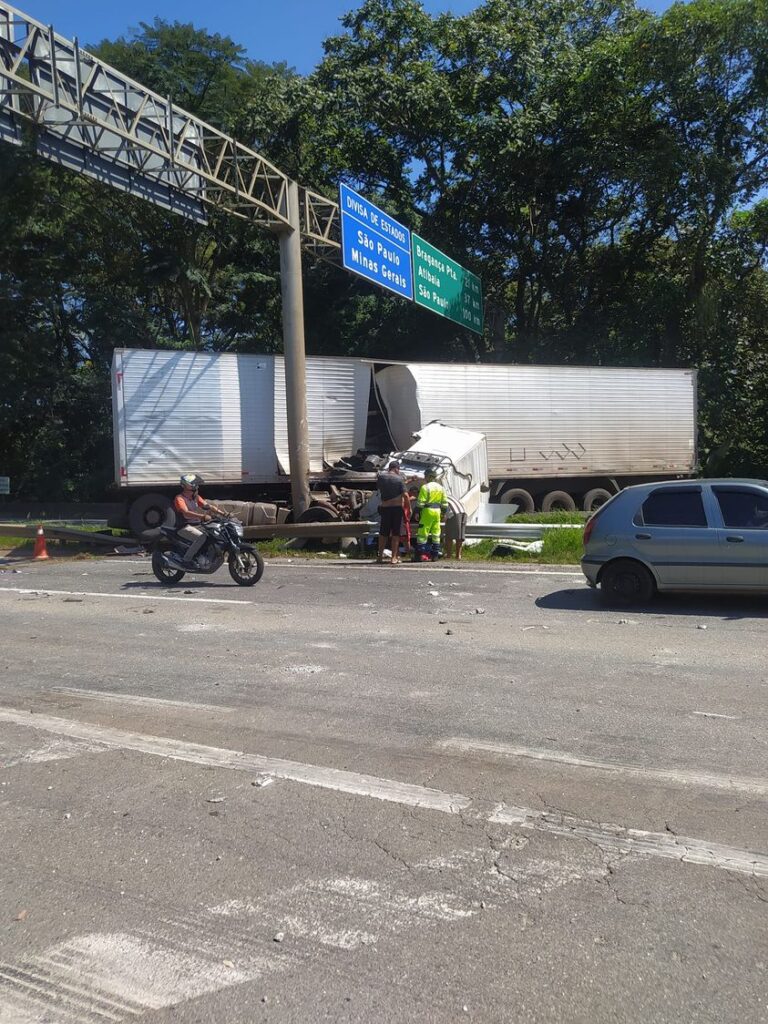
point(251, 569)
point(163, 572)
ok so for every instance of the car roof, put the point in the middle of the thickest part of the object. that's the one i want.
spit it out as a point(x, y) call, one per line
point(715, 481)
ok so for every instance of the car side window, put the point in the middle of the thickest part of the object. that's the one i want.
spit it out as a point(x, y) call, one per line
point(674, 508)
point(743, 510)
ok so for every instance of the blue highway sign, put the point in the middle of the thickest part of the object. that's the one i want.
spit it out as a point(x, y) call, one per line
point(373, 245)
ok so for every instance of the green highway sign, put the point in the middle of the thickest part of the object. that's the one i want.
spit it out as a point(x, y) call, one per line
point(444, 286)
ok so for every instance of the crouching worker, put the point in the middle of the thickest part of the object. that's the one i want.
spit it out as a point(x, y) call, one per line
point(432, 504)
point(191, 510)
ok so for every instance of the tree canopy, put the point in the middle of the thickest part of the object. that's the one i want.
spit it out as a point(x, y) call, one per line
point(604, 171)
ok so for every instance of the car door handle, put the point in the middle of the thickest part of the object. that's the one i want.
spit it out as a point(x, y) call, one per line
point(735, 540)
point(642, 536)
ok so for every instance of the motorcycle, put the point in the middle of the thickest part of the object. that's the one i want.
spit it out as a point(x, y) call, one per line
point(224, 542)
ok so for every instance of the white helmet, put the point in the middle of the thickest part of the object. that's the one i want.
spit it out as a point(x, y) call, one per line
point(191, 480)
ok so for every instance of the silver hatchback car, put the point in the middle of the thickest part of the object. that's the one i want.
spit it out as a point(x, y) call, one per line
point(695, 535)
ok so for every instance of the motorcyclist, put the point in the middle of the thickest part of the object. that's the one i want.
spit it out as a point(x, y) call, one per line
point(191, 509)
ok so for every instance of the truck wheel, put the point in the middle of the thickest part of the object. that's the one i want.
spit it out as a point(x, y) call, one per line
point(595, 498)
point(626, 582)
point(517, 496)
point(147, 514)
point(558, 501)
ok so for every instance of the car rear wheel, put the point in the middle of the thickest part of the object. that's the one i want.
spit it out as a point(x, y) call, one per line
point(625, 582)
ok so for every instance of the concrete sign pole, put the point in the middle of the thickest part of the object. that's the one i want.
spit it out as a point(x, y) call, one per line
point(293, 348)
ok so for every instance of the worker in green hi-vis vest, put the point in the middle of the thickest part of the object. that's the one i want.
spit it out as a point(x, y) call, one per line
point(432, 504)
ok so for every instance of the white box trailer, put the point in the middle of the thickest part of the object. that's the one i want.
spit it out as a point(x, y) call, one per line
point(224, 416)
point(557, 435)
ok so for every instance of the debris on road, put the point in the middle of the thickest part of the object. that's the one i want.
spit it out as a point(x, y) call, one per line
point(435, 593)
point(279, 937)
point(479, 611)
point(263, 780)
point(21, 916)
point(215, 800)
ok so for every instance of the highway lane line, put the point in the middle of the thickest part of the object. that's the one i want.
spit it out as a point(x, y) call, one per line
point(111, 697)
point(607, 836)
point(191, 599)
point(403, 567)
point(425, 569)
point(708, 780)
point(218, 757)
point(615, 838)
point(712, 714)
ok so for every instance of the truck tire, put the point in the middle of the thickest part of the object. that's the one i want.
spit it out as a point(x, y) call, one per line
point(517, 496)
point(147, 514)
point(557, 501)
point(595, 498)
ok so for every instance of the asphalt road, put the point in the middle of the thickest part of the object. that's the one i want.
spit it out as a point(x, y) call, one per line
point(359, 793)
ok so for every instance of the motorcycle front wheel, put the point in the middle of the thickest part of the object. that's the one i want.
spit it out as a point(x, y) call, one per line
point(246, 567)
point(163, 572)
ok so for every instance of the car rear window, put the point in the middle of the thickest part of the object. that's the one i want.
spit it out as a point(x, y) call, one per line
point(674, 508)
point(743, 510)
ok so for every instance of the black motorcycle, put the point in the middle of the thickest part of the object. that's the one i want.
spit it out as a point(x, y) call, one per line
point(224, 542)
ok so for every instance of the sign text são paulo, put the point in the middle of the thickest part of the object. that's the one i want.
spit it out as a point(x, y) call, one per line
point(384, 251)
point(373, 245)
point(445, 287)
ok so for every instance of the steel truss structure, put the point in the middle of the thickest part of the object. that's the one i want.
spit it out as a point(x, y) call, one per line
point(92, 118)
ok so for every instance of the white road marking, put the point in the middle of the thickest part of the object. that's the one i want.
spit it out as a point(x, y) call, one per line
point(708, 780)
point(422, 569)
point(109, 976)
point(632, 840)
point(343, 565)
point(190, 598)
point(217, 757)
point(130, 698)
point(604, 835)
point(56, 750)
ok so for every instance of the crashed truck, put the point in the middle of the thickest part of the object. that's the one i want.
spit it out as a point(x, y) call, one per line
point(557, 436)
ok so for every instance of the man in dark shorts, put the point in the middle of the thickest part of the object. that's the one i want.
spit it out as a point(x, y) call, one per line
point(391, 490)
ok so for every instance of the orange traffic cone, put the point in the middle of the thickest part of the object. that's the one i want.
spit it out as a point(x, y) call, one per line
point(41, 551)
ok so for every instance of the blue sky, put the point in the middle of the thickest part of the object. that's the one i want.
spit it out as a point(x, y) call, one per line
point(270, 30)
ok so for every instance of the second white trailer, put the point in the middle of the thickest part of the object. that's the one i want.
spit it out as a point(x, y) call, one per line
point(557, 435)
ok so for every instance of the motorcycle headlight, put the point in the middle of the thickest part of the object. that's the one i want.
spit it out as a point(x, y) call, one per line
point(238, 527)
